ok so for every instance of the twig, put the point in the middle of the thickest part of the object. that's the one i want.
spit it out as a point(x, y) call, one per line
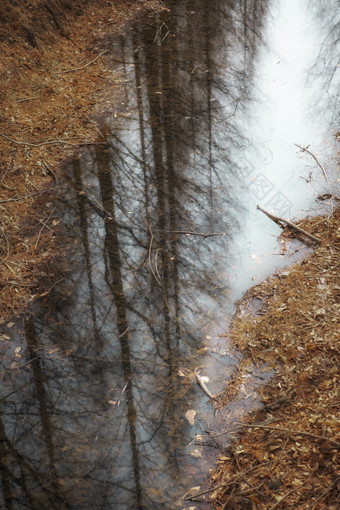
point(27, 99)
point(187, 233)
point(83, 67)
point(188, 498)
point(42, 228)
point(279, 429)
point(30, 144)
point(49, 290)
point(305, 149)
point(201, 383)
point(325, 493)
point(225, 504)
point(49, 142)
point(290, 224)
point(15, 199)
point(24, 364)
point(286, 495)
point(17, 284)
point(50, 170)
point(150, 251)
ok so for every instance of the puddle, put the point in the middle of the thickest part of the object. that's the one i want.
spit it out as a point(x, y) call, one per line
point(100, 408)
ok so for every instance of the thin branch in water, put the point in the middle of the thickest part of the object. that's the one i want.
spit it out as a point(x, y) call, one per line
point(290, 224)
point(150, 260)
point(188, 233)
point(305, 149)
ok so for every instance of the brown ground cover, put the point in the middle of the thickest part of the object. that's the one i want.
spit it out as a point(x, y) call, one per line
point(54, 81)
point(288, 453)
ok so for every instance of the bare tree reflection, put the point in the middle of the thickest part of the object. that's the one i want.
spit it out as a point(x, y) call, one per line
point(102, 392)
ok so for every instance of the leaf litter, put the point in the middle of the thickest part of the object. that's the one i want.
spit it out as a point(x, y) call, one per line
point(286, 454)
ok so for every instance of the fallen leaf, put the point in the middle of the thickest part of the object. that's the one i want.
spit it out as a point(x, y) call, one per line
point(197, 454)
point(190, 416)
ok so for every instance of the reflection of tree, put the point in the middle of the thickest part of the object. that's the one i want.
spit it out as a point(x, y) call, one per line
point(111, 411)
point(325, 69)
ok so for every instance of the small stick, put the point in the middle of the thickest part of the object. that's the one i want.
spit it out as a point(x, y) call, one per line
point(150, 251)
point(16, 199)
point(50, 170)
point(44, 224)
point(324, 494)
point(305, 149)
point(27, 99)
point(290, 224)
point(279, 429)
point(184, 232)
point(83, 67)
point(285, 496)
point(201, 383)
point(49, 142)
point(17, 284)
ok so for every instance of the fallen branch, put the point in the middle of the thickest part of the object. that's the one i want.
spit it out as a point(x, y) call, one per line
point(305, 149)
point(290, 225)
point(83, 67)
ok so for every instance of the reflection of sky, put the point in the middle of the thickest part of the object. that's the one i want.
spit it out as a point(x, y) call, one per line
point(275, 172)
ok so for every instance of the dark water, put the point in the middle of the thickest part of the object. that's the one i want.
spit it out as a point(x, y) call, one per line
point(98, 381)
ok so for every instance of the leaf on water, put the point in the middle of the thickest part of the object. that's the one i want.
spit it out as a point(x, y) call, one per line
point(200, 351)
point(190, 416)
point(197, 454)
point(113, 402)
point(10, 325)
point(194, 489)
point(17, 349)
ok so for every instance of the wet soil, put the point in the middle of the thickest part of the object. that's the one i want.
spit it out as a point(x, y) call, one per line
point(55, 81)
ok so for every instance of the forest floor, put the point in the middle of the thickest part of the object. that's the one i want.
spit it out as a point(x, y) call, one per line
point(55, 81)
point(287, 455)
